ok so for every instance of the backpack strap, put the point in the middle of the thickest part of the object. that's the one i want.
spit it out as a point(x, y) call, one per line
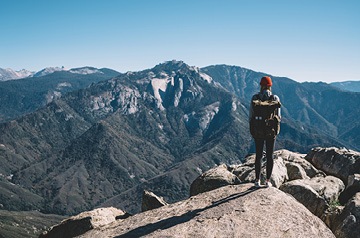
point(257, 97)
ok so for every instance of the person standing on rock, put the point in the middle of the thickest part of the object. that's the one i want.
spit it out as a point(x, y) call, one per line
point(264, 119)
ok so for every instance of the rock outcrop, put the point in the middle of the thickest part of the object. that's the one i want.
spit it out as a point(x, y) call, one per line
point(295, 171)
point(224, 202)
point(287, 166)
point(151, 201)
point(339, 162)
point(230, 211)
point(315, 194)
point(212, 179)
point(353, 187)
point(83, 222)
point(246, 171)
point(308, 179)
point(347, 224)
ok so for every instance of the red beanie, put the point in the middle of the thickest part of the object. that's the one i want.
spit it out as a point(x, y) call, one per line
point(266, 81)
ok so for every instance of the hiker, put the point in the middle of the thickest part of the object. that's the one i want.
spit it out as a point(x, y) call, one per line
point(264, 119)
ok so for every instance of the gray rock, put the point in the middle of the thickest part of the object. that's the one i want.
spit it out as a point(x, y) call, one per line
point(246, 171)
point(316, 194)
point(292, 157)
point(331, 216)
point(249, 160)
point(334, 161)
point(83, 222)
point(279, 174)
point(348, 223)
point(212, 179)
point(352, 188)
point(239, 169)
point(295, 171)
point(151, 201)
point(289, 156)
point(329, 187)
point(230, 211)
point(306, 195)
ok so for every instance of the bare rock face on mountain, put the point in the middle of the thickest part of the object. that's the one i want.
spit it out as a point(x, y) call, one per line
point(84, 222)
point(339, 162)
point(212, 179)
point(230, 211)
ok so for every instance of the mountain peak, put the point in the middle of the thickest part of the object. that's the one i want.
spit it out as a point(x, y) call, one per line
point(48, 70)
point(9, 74)
point(175, 65)
point(85, 70)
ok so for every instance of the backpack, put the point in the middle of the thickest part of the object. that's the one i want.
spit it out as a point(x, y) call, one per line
point(265, 124)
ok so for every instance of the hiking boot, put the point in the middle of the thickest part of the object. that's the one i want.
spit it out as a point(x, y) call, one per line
point(268, 184)
point(257, 184)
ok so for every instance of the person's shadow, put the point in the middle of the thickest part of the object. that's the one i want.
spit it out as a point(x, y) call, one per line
point(172, 221)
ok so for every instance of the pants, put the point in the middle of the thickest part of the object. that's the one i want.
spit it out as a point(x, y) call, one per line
point(259, 145)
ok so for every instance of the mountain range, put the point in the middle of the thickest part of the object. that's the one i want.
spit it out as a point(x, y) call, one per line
point(353, 86)
point(10, 74)
point(114, 134)
point(22, 96)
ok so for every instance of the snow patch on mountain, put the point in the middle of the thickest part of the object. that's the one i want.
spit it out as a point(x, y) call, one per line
point(85, 71)
point(48, 70)
point(23, 73)
point(10, 74)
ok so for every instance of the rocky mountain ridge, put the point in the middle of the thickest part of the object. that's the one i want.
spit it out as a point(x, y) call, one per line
point(10, 74)
point(330, 111)
point(309, 108)
point(305, 205)
point(353, 86)
point(24, 96)
point(98, 130)
point(156, 129)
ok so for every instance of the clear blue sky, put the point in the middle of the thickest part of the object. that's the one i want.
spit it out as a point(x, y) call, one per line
point(306, 40)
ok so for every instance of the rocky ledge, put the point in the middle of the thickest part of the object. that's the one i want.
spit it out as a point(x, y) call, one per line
point(311, 197)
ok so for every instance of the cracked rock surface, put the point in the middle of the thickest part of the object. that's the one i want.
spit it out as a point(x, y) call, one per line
point(230, 211)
